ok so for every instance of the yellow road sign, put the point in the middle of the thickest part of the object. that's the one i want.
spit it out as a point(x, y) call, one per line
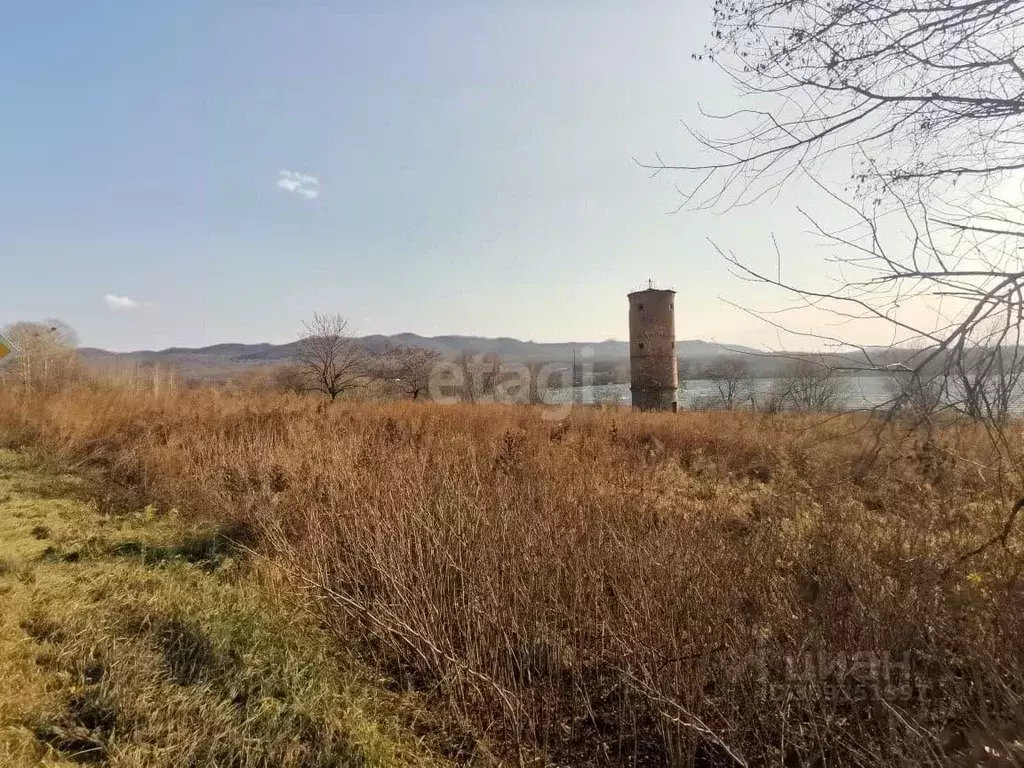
point(7, 349)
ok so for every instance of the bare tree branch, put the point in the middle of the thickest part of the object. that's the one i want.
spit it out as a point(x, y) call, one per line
point(328, 359)
point(920, 90)
point(926, 99)
point(407, 369)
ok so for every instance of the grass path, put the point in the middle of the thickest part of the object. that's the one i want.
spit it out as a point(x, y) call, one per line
point(133, 640)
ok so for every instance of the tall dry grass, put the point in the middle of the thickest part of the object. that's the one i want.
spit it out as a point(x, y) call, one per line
point(696, 589)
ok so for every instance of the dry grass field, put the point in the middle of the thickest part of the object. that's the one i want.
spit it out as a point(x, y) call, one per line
point(701, 589)
point(132, 640)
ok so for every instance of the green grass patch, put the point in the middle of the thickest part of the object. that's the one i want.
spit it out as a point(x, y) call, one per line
point(136, 641)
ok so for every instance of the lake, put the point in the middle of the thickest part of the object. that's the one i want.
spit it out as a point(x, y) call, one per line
point(858, 392)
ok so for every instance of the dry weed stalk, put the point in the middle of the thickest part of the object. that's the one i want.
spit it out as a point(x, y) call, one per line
point(707, 589)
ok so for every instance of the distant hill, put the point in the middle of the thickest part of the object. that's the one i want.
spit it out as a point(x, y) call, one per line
point(224, 359)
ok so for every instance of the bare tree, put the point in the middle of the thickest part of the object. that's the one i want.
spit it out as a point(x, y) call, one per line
point(921, 90)
point(924, 98)
point(806, 385)
point(408, 369)
point(46, 358)
point(990, 384)
point(288, 378)
point(733, 381)
point(916, 396)
point(479, 373)
point(984, 385)
point(542, 380)
point(329, 359)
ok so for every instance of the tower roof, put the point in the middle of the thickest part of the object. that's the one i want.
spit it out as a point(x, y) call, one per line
point(647, 291)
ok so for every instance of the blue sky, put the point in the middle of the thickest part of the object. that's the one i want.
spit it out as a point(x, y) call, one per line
point(472, 162)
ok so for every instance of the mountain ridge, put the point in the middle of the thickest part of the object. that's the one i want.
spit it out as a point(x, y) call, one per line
point(459, 342)
point(228, 356)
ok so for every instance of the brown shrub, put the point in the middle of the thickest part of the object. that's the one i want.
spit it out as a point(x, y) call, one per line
point(618, 588)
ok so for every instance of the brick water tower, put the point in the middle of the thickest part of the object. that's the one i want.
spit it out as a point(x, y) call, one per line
point(653, 371)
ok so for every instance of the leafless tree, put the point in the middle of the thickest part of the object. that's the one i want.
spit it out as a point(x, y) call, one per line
point(917, 396)
point(480, 374)
point(407, 369)
point(920, 90)
point(924, 98)
point(46, 357)
point(329, 359)
point(947, 290)
point(288, 378)
point(981, 384)
point(545, 378)
point(990, 384)
point(733, 382)
point(806, 385)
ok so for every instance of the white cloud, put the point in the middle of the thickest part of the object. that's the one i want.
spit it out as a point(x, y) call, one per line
point(120, 302)
point(300, 183)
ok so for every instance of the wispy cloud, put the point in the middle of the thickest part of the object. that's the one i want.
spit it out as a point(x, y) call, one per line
point(300, 183)
point(120, 302)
